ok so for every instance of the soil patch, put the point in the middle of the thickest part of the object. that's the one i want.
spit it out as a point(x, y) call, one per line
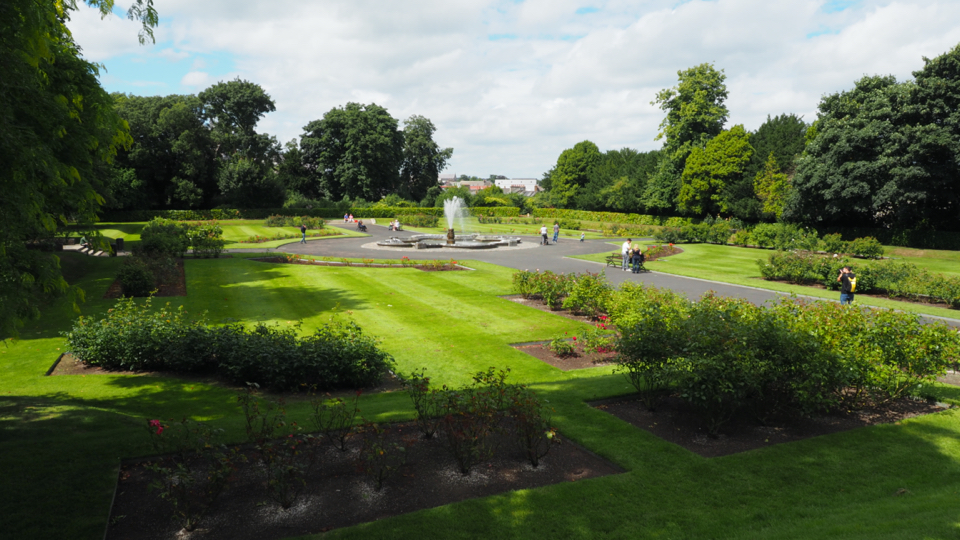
point(676, 422)
point(337, 495)
point(578, 360)
point(444, 267)
point(542, 306)
point(176, 287)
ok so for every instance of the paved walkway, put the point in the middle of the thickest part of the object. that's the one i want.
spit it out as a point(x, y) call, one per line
point(555, 257)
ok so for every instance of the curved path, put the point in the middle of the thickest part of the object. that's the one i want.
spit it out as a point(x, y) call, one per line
point(554, 257)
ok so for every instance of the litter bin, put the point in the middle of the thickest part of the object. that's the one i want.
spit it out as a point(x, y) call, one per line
point(119, 244)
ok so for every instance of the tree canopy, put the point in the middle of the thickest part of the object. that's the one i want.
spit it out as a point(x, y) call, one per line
point(711, 170)
point(423, 159)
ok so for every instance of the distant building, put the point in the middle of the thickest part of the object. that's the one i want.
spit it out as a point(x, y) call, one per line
point(527, 186)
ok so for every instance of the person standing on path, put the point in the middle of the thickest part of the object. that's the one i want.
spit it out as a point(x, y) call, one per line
point(543, 234)
point(582, 236)
point(556, 232)
point(303, 233)
point(848, 284)
point(625, 253)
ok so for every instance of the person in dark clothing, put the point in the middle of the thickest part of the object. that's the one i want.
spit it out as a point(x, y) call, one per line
point(303, 233)
point(848, 285)
point(636, 259)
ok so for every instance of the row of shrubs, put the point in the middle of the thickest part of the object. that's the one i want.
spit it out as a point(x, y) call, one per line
point(896, 279)
point(613, 217)
point(419, 220)
point(782, 236)
point(278, 220)
point(135, 337)
point(726, 356)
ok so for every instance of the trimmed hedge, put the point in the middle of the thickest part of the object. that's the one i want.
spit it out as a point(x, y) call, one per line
point(134, 337)
point(948, 240)
point(616, 217)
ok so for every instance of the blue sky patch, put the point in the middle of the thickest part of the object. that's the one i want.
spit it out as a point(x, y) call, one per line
point(167, 68)
point(836, 6)
point(587, 10)
point(501, 37)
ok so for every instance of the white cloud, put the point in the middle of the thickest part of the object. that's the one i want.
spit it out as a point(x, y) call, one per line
point(510, 84)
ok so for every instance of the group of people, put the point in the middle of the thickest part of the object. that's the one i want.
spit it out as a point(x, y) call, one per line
point(394, 225)
point(556, 234)
point(348, 218)
point(633, 257)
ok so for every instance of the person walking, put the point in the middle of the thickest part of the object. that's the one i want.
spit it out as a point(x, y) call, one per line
point(556, 232)
point(582, 236)
point(848, 285)
point(625, 253)
point(303, 233)
point(543, 234)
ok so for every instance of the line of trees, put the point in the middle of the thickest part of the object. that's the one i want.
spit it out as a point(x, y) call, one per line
point(884, 154)
point(204, 151)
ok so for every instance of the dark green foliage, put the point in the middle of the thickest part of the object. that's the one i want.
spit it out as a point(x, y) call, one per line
point(531, 417)
point(571, 172)
point(294, 221)
point(354, 151)
point(868, 247)
point(419, 220)
point(136, 277)
point(725, 355)
point(134, 337)
point(423, 159)
point(163, 237)
point(588, 294)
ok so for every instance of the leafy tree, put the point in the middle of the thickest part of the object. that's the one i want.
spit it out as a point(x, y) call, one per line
point(695, 110)
point(58, 135)
point(244, 183)
point(172, 153)
point(784, 136)
point(232, 110)
point(696, 113)
point(570, 173)
point(710, 171)
point(354, 151)
point(293, 175)
point(423, 159)
point(772, 187)
point(617, 181)
point(851, 170)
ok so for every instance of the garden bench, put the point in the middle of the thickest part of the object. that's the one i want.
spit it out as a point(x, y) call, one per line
point(615, 260)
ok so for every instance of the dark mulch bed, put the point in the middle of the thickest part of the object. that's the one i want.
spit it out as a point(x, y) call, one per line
point(311, 262)
point(542, 306)
point(177, 287)
point(578, 360)
point(676, 422)
point(337, 495)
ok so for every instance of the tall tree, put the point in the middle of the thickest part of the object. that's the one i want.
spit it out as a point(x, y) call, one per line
point(58, 133)
point(293, 175)
point(172, 155)
point(570, 173)
point(772, 187)
point(696, 113)
point(355, 151)
point(232, 110)
point(850, 173)
point(423, 159)
point(711, 170)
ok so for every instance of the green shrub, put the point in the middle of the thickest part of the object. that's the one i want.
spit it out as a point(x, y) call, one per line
point(206, 239)
point(133, 337)
point(561, 346)
point(833, 243)
point(162, 237)
point(867, 247)
point(135, 277)
point(420, 220)
point(588, 294)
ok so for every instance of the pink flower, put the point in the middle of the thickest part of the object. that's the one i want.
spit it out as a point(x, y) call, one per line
point(156, 424)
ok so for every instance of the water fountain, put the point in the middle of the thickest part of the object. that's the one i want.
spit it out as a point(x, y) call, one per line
point(453, 210)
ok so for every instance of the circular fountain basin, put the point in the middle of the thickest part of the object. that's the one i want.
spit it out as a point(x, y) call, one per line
point(471, 244)
point(396, 242)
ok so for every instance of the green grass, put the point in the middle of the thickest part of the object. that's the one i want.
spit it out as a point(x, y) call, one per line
point(61, 438)
point(235, 232)
point(737, 265)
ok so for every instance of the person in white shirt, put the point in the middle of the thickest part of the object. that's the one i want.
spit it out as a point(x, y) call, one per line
point(625, 253)
point(543, 234)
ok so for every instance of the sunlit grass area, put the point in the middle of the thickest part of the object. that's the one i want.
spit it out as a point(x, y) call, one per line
point(61, 438)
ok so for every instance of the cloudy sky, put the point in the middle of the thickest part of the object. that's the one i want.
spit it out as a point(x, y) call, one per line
point(511, 84)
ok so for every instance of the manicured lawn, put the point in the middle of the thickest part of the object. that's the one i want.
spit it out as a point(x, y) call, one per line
point(61, 437)
point(738, 265)
point(235, 232)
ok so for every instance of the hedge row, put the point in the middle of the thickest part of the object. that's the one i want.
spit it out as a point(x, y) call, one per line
point(896, 279)
point(616, 217)
point(948, 240)
point(264, 213)
point(134, 337)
